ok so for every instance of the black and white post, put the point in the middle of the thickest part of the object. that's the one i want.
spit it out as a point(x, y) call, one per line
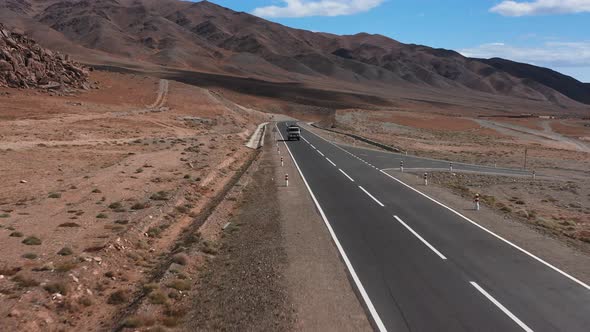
point(282, 164)
point(401, 166)
point(286, 180)
point(425, 178)
point(476, 201)
point(450, 167)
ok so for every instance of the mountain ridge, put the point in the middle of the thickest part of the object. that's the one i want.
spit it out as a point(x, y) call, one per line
point(207, 37)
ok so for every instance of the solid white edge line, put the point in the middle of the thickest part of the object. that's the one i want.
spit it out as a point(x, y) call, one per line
point(421, 238)
point(503, 308)
point(312, 145)
point(355, 278)
point(491, 233)
point(320, 152)
point(572, 278)
point(331, 162)
point(341, 171)
point(373, 197)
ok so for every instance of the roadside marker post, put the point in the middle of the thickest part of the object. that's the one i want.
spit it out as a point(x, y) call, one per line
point(286, 180)
point(534, 174)
point(425, 179)
point(451, 167)
point(282, 162)
point(401, 166)
point(476, 200)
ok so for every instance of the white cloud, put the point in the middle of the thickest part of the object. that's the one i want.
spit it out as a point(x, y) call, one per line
point(302, 8)
point(540, 7)
point(551, 54)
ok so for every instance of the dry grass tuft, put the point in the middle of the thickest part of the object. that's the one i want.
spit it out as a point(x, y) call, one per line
point(180, 258)
point(118, 297)
point(32, 241)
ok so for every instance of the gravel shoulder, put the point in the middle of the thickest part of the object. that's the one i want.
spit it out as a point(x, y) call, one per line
point(243, 288)
point(317, 280)
point(277, 267)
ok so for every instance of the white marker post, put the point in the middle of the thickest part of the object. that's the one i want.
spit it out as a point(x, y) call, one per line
point(401, 166)
point(476, 200)
point(425, 179)
point(534, 174)
point(451, 167)
point(286, 180)
point(282, 162)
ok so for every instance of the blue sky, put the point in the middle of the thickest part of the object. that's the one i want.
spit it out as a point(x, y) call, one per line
point(549, 33)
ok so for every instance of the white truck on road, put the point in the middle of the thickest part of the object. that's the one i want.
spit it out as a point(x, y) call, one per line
point(293, 132)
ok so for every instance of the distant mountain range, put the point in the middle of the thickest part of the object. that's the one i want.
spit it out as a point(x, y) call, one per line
point(206, 37)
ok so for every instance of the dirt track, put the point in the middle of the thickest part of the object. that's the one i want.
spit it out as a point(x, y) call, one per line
point(546, 136)
point(112, 182)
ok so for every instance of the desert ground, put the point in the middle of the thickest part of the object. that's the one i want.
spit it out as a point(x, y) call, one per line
point(556, 202)
point(100, 191)
point(134, 205)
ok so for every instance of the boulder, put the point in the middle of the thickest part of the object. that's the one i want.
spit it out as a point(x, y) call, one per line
point(26, 64)
point(5, 66)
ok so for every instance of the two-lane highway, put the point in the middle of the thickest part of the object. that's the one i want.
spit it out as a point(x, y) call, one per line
point(420, 266)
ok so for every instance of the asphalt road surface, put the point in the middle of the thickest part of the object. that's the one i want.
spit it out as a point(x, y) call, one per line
point(420, 266)
point(391, 161)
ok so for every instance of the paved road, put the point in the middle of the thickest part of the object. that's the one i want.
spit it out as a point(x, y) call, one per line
point(390, 160)
point(419, 266)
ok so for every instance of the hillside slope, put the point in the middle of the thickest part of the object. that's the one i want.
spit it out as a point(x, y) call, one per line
point(557, 81)
point(206, 37)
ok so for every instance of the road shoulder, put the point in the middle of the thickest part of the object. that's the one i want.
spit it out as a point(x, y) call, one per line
point(317, 280)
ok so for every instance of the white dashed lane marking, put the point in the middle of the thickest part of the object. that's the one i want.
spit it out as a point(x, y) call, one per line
point(420, 238)
point(373, 197)
point(341, 171)
point(503, 308)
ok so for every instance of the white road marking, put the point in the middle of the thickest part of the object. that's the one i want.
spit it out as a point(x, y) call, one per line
point(565, 274)
point(421, 238)
point(306, 141)
point(374, 314)
point(320, 152)
point(312, 146)
point(373, 197)
point(341, 171)
point(503, 308)
point(331, 162)
point(492, 233)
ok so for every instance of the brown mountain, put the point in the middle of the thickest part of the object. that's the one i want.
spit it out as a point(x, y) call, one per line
point(206, 37)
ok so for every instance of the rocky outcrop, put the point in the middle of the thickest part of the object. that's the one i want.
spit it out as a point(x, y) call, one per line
point(25, 64)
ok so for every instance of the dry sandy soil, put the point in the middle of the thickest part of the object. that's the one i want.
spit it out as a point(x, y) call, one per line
point(556, 203)
point(97, 189)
